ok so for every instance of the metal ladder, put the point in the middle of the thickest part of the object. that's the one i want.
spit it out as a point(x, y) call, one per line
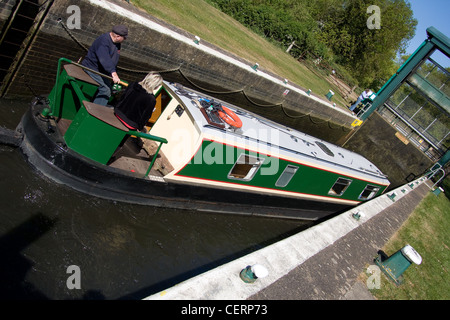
point(16, 36)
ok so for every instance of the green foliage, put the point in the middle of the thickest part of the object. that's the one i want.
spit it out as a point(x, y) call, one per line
point(335, 30)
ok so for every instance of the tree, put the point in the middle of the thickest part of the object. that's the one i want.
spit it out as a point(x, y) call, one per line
point(368, 53)
point(337, 26)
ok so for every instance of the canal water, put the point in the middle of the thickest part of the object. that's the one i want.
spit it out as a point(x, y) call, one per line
point(120, 251)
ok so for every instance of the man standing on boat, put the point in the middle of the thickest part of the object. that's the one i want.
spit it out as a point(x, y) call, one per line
point(103, 56)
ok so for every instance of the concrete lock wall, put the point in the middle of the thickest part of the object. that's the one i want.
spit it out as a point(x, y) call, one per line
point(155, 45)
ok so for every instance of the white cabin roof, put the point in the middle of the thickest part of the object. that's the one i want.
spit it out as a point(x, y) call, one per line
point(263, 135)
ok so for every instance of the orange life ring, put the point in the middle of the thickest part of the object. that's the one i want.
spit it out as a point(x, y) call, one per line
point(230, 117)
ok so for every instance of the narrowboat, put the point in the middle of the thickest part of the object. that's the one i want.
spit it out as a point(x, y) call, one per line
point(196, 153)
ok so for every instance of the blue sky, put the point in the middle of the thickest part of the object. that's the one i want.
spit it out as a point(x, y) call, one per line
point(430, 13)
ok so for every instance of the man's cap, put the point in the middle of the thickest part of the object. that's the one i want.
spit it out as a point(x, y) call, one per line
point(121, 30)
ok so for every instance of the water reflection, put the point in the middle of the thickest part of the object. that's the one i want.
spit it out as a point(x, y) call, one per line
point(124, 251)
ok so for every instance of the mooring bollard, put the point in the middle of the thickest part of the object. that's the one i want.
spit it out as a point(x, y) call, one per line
point(308, 92)
point(330, 95)
point(358, 215)
point(396, 265)
point(197, 40)
point(250, 273)
point(255, 67)
point(392, 196)
point(437, 191)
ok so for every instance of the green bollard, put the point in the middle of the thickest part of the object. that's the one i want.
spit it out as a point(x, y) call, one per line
point(330, 95)
point(392, 196)
point(250, 273)
point(437, 191)
point(396, 265)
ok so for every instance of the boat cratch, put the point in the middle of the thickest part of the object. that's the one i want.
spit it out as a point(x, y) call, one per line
point(196, 153)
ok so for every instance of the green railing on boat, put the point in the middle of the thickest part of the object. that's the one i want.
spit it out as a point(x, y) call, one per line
point(55, 96)
point(71, 93)
point(149, 137)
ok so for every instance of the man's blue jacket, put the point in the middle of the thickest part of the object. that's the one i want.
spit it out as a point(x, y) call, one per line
point(103, 55)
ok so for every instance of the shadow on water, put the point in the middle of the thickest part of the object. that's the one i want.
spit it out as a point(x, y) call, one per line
point(17, 263)
point(13, 266)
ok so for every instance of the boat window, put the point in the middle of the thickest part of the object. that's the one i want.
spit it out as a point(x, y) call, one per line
point(369, 192)
point(325, 149)
point(286, 176)
point(339, 187)
point(245, 167)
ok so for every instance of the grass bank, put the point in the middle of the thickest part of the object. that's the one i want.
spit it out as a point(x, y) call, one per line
point(210, 24)
point(427, 231)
